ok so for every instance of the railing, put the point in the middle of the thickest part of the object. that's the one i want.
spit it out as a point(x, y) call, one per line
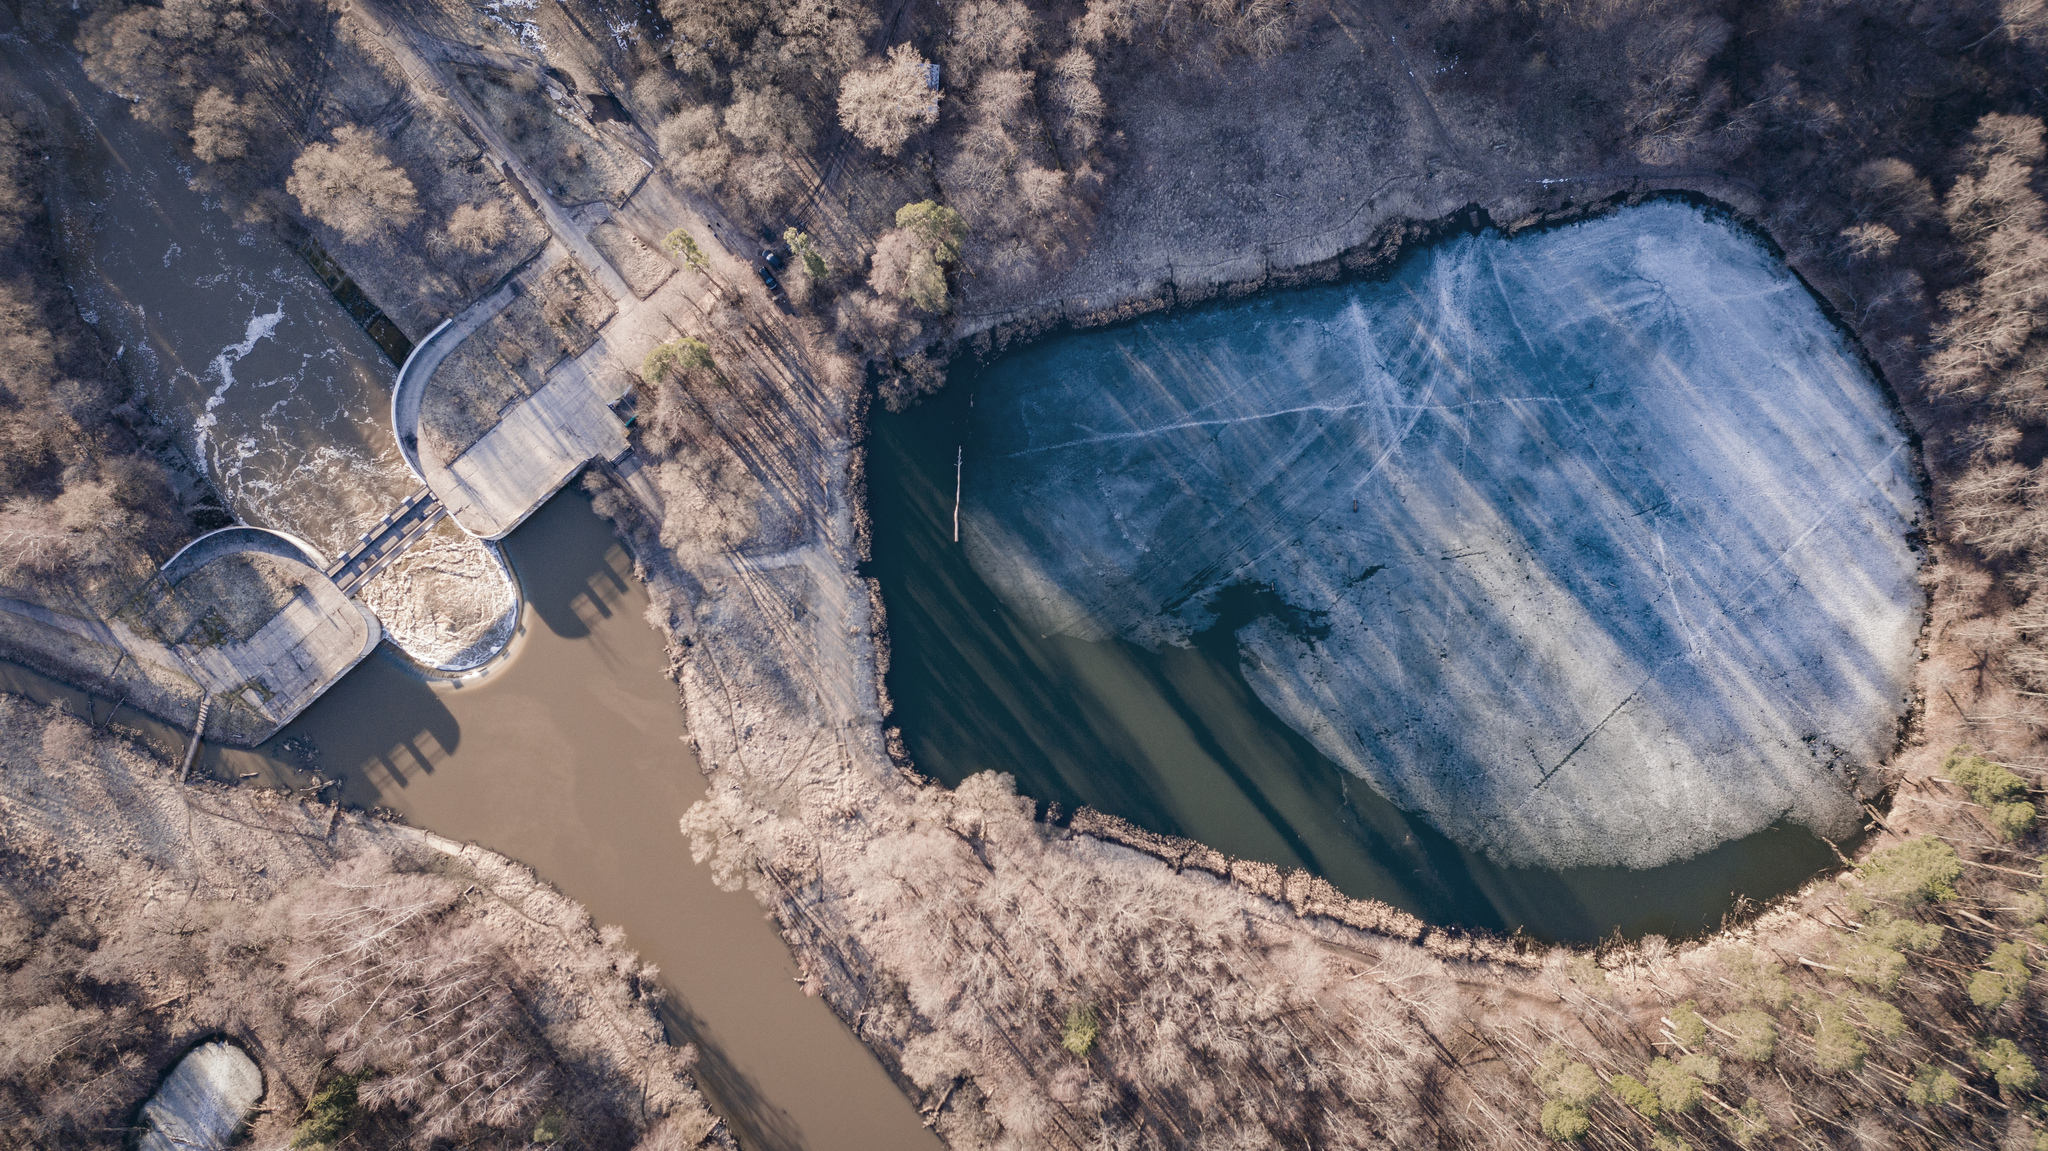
point(377, 548)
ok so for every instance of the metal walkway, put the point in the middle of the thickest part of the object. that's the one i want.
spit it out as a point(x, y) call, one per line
point(397, 531)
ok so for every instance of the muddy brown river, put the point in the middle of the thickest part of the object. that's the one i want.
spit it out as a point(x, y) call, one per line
point(571, 756)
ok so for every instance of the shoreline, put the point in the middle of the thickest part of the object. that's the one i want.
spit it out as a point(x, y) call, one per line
point(1307, 894)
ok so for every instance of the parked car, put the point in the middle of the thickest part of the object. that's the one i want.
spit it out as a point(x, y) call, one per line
point(772, 258)
point(768, 278)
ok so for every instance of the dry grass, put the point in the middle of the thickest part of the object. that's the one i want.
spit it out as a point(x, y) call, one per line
point(576, 166)
point(138, 916)
point(227, 601)
point(643, 268)
point(473, 388)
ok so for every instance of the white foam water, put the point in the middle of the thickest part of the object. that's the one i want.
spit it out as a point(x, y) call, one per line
point(225, 331)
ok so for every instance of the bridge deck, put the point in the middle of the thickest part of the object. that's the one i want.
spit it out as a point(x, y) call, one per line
point(414, 517)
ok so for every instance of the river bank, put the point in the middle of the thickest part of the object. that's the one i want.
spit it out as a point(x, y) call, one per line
point(126, 886)
point(809, 794)
point(570, 754)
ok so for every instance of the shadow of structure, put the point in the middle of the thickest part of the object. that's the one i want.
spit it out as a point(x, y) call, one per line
point(413, 732)
point(577, 575)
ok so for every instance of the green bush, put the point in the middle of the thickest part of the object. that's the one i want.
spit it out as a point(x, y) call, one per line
point(807, 255)
point(1836, 1046)
point(2009, 1065)
point(2012, 820)
point(1877, 957)
point(1755, 1035)
point(1919, 870)
point(935, 224)
point(1669, 1141)
point(330, 1113)
point(1872, 964)
point(1932, 1087)
point(1560, 1077)
point(1679, 1086)
point(677, 355)
point(1881, 1017)
point(2001, 793)
point(550, 1129)
point(1687, 1026)
point(1749, 1124)
point(2005, 979)
point(1565, 1122)
point(1760, 979)
point(1904, 934)
point(1632, 1093)
point(1082, 1026)
point(1988, 783)
point(683, 246)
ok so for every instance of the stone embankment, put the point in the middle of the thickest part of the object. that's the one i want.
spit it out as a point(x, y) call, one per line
point(1307, 894)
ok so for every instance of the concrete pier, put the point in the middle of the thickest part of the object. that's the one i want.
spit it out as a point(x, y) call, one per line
point(265, 681)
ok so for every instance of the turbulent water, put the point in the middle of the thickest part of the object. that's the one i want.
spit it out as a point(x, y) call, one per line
point(231, 340)
point(1591, 546)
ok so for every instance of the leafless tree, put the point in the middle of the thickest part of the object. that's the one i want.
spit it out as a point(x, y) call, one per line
point(354, 188)
point(886, 103)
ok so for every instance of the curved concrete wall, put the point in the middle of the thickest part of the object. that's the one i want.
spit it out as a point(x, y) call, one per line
point(411, 386)
point(300, 653)
point(240, 538)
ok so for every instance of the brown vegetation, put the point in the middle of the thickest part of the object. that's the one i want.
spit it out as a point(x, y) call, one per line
point(467, 1002)
point(884, 104)
point(85, 508)
point(297, 121)
point(1037, 988)
point(352, 187)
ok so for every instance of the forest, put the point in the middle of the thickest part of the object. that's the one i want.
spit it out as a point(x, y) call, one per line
point(1035, 987)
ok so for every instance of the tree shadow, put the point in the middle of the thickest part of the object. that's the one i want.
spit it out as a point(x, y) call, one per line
point(757, 1122)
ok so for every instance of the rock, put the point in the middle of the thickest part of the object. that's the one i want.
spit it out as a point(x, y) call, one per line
point(1592, 545)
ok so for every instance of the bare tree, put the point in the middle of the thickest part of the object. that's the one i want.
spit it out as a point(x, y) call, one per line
point(353, 187)
point(694, 148)
point(768, 118)
point(1074, 103)
point(477, 229)
point(987, 33)
point(220, 127)
point(886, 103)
point(1993, 207)
point(828, 37)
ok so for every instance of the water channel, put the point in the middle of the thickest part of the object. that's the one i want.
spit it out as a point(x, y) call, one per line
point(1438, 520)
point(569, 755)
point(231, 342)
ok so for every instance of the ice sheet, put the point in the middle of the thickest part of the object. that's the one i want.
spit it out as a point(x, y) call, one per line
point(1599, 537)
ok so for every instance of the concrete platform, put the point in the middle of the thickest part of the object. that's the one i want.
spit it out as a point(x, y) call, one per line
point(535, 449)
point(301, 652)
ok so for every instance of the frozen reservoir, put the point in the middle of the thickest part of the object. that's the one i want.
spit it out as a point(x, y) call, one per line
point(1590, 547)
